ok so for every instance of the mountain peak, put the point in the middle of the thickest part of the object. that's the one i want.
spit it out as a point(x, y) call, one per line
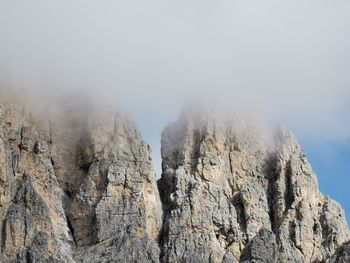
point(79, 186)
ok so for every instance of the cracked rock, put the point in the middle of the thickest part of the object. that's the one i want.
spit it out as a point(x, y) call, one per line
point(77, 185)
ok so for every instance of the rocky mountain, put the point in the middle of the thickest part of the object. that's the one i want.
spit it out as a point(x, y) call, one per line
point(234, 193)
point(76, 189)
point(78, 185)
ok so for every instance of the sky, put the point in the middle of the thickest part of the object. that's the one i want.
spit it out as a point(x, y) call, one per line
point(282, 61)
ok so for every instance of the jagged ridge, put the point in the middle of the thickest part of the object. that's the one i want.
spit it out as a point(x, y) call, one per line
point(242, 195)
point(81, 188)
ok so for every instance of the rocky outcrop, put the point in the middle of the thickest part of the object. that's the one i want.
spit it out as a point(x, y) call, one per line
point(32, 219)
point(116, 211)
point(233, 193)
point(341, 255)
point(74, 186)
point(77, 185)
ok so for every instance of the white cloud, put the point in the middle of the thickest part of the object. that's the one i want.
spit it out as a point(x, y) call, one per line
point(286, 60)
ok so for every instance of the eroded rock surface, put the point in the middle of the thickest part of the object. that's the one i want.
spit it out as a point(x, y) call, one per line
point(341, 255)
point(233, 193)
point(77, 185)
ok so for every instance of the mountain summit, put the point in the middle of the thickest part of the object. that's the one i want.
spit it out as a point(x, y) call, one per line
point(81, 188)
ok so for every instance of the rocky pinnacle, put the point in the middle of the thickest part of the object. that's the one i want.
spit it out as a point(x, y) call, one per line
point(78, 185)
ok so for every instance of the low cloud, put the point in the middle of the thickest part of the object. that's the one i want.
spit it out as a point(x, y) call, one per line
point(282, 61)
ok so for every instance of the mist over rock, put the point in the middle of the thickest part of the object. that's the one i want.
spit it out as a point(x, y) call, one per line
point(232, 193)
point(77, 185)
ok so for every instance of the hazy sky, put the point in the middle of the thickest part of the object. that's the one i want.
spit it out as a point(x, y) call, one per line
point(283, 61)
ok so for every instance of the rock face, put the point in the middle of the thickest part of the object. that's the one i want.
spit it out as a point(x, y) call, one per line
point(234, 194)
point(77, 185)
point(341, 255)
point(76, 188)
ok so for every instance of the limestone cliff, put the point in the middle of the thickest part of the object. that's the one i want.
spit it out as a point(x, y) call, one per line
point(77, 185)
point(233, 193)
point(341, 255)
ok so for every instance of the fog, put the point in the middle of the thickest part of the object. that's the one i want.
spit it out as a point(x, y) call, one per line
point(282, 61)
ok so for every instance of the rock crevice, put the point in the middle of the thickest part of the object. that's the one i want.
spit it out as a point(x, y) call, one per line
point(79, 186)
point(253, 198)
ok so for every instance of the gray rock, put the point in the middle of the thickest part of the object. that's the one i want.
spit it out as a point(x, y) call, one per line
point(341, 255)
point(234, 192)
point(78, 185)
point(261, 249)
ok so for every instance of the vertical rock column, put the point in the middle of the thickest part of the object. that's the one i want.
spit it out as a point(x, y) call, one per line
point(76, 186)
point(32, 219)
point(116, 212)
point(233, 192)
